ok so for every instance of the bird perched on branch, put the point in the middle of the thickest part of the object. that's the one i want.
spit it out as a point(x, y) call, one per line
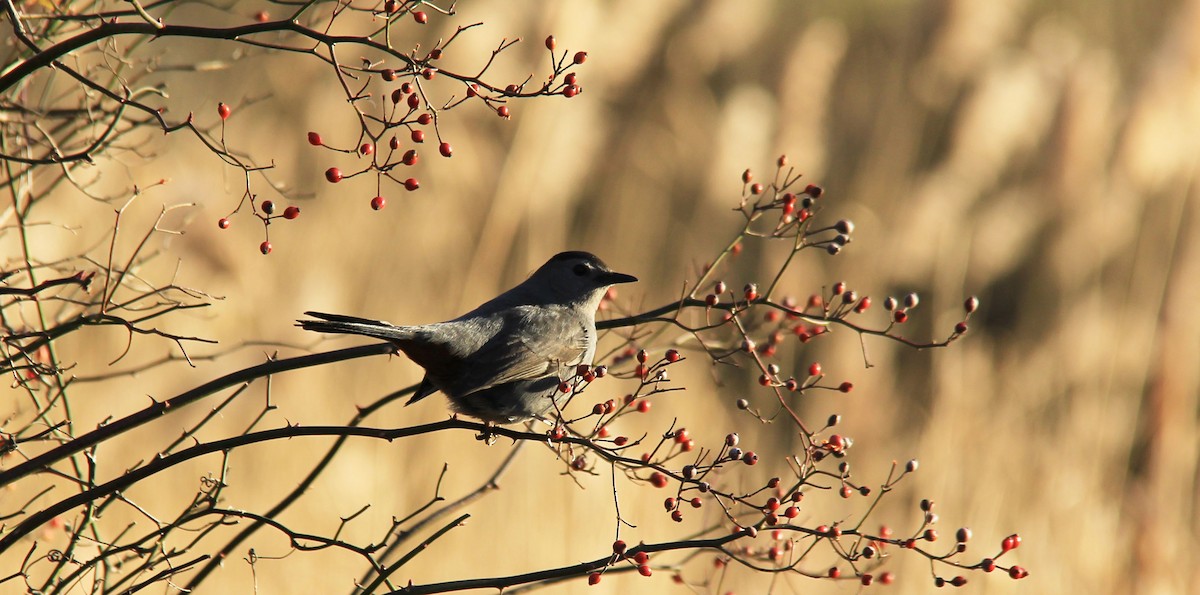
point(503, 361)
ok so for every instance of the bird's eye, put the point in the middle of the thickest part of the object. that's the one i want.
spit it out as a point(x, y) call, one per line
point(581, 269)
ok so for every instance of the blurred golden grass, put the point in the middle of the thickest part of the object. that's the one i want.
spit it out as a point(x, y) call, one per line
point(1039, 154)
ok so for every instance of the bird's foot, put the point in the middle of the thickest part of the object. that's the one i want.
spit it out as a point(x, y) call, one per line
point(487, 435)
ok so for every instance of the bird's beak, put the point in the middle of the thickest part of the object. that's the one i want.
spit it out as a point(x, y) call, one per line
point(611, 278)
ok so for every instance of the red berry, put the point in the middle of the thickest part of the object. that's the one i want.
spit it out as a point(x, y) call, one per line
point(414, 101)
point(550, 43)
point(900, 316)
point(1011, 542)
point(224, 223)
point(963, 535)
point(411, 184)
point(580, 57)
point(677, 515)
point(658, 480)
point(619, 547)
point(834, 572)
point(641, 557)
point(750, 458)
point(756, 188)
point(268, 207)
point(420, 17)
point(643, 406)
point(814, 369)
point(424, 119)
point(867, 579)
point(696, 503)
point(570, 91)
point(846, 387)
point(887, 578)
point(445, 149)
point(751, 291)
point(1017, 572)
point(428, 73)
point(960, 328)
point(334, 175)
point(291, 212)
point(791, 512)
point(958, 581)
point(394, 143)
point(594, 578)
point(366, 149)
point(930, 535)
point(503, 112)
point(644, 570)
point(223, 111)
point(314, 139)
point(262, 16)
point(410, 157)
point(837, 442)
point(391, 6)
point(672, 355)
point(418, 136)
point(971, 304)
point(388, 74)
point(378, 202)
point(265, 247)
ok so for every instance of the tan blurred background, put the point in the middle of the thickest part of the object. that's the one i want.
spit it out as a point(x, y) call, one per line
point(1040, 155)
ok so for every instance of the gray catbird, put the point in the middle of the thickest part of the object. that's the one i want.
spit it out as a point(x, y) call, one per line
point(503, 361)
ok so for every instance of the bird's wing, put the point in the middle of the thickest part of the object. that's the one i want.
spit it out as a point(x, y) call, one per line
point(536, 342)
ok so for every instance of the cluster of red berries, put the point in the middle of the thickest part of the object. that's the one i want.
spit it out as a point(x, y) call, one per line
point(334, 174)
point(266, 209)
point(640, 559)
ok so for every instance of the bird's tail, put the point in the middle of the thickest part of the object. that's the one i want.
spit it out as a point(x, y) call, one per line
point(351, 325)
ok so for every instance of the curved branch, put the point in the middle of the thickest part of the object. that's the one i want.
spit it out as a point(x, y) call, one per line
point(160, 408)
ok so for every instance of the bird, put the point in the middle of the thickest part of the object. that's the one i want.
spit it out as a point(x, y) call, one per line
point(504, 361)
